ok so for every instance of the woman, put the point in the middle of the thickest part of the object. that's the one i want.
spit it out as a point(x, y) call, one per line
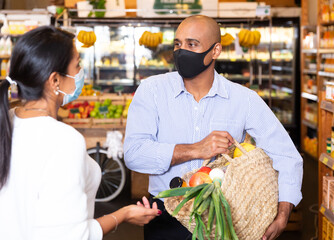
point(47, 181)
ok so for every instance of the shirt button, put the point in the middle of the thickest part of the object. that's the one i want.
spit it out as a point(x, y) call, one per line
point(197, 129)
point(196, 108)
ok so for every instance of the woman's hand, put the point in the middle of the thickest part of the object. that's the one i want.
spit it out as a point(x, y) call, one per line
point(141, 213)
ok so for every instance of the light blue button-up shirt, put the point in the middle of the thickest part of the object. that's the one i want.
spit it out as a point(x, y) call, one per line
point(163, 113)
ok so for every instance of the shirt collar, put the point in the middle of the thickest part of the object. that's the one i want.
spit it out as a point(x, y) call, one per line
point(178, 85)
point(218, 86)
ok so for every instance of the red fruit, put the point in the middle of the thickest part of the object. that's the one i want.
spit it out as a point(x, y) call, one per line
point(199, 178)
point(206, 170)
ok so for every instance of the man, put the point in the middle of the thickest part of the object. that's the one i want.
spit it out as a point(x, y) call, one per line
point(178, 119)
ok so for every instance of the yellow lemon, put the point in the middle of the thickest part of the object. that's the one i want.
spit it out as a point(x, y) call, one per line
point(247, 146)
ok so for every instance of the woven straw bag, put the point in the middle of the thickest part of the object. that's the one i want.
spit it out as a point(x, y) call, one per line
point(250, 186)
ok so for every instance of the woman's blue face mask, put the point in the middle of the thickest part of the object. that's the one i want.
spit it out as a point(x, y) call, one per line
point(79, 83)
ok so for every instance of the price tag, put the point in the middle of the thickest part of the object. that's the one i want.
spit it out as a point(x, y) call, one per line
point(322, 209)
point(262, 11)
point(325, 160)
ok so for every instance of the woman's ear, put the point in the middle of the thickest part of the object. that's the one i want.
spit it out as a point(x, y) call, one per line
point(217, 49)
point(53, 82)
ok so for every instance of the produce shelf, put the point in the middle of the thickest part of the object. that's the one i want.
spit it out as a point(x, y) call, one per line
point(326, 50)
point(327, 23)
point(326, 74)
point(309, 51)
point(327, 106)
point(327, 160)
point(327, 213)
point(309, 96)
point(308, 71)
point(5, 56)
point(310, 124)
point(315, 158)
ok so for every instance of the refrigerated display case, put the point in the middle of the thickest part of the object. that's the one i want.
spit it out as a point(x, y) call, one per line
point(269, 68)
point(117, 62)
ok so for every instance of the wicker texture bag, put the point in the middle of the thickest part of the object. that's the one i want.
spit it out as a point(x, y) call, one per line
point(250, 186)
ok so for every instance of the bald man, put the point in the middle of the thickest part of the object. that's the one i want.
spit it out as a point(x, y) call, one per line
point(178, 119)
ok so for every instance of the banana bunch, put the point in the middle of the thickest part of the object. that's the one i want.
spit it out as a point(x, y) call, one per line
point(151, 40)
point(249, 38)
point(87, 38)
point(226, 39)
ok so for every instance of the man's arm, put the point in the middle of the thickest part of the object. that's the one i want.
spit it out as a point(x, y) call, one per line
point(280, 222)
point(270, 135)
point(215, 143)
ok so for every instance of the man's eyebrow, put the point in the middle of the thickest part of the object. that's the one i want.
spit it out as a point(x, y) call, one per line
point(187, 39)
point(191, 40)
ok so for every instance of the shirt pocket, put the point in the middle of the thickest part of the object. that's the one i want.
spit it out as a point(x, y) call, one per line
point(233, 127)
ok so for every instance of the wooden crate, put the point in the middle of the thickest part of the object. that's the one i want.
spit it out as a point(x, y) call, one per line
point(79, 123)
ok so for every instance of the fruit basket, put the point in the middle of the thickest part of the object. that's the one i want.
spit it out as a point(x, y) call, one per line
point(248, 196)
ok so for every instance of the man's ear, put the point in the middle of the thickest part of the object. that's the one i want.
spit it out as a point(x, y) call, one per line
point(217, 49)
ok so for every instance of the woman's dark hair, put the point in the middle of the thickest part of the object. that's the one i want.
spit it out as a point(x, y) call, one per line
point(36, 55)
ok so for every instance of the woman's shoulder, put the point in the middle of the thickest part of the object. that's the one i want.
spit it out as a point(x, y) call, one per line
point(65, 133)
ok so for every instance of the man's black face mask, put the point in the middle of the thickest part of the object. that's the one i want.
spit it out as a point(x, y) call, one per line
point(189, 64)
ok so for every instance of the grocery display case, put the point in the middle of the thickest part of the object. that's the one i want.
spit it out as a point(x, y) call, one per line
point(269, 68)
point(309, 91)
point(117, 62)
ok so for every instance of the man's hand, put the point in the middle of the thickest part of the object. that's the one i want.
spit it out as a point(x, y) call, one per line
point(215, 143)
point(280, 222)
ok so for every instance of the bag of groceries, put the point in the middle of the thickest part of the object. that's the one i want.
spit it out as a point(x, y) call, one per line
point(240, 202)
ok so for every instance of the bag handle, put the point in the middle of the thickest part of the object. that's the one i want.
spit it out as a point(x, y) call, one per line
point(237, 144)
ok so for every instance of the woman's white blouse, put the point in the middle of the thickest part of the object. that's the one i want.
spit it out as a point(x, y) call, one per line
point(52, 184)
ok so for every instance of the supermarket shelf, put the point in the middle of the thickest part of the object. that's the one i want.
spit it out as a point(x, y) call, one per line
point(327, 23)
point(309, 51)
point(327, 213)
point(11, 35)
point(308, 71)
point(327, 160)
point(309, 96)
point(253, 60)
point(277, 98)
point(327, 106)
point(5, 56)
point(326, 74)
point(310, 124)
point(326, 50)
point(309, 155)
point(239, 77)
point(155, 68)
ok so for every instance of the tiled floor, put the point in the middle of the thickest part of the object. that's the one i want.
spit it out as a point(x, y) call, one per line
point(310, 193)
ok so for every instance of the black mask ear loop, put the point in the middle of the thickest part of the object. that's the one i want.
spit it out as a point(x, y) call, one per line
point(206, 52)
